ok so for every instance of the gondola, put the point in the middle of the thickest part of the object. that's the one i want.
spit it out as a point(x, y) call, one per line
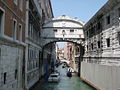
point(69, 74)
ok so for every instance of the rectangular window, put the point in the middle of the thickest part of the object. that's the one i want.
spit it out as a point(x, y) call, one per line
point(14, 29)
point(119, 38)
point(55, 30)
point(108, 42)
point(108, 19)
point(5, 75)
point(20, 32)
point(1, 15)
point(30, 54)
point(92, 46)
point(0, 54)
point(16, 1)
point(119, 12)
point(20, 4)
point(16, 71)
point(91, 32)
point(99, 25)
point(87, 33)
point(72, 30)
point(98, 44)
point(87, 47)
point(39, 34)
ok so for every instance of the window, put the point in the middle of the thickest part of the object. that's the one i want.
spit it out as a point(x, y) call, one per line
point(20, 32)
point(99, 25)
point(14, 29)
point(77, 50)
point(0, 54)
point(20, 4)
point(71, 30)
point(55, 30)
point(119, 38)
point(119, 11)
point(15, 1)
point(108, 19)
point(87, 47)
point(91, 32)
point(16, 71)
point(30, 54)
point(108, 42)
point(92, 46)
point(1, 15)
point(98, 44)
point(80, 36)
point(39, 33)
point(87, 33)
point(5, 74)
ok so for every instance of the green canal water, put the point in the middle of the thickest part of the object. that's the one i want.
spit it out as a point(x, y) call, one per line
point(66, 83)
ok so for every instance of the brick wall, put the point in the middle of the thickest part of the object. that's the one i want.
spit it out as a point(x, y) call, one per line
point(12, 11)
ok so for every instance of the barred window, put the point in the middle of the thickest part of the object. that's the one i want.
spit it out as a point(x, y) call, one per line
point(119, 11)
point(108, 42)
point(92, 46)
point(16, 71)
point(119, 38)
point(98, 44)
point(5, 75)
point(108, 19)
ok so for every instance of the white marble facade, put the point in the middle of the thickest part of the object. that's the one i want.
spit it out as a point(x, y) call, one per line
point(64, 28)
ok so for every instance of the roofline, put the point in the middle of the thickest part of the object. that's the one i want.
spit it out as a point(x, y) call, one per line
point(51, 8)
point(53, 20)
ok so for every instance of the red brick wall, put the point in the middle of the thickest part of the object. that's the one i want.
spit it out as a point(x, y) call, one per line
point(9, 16)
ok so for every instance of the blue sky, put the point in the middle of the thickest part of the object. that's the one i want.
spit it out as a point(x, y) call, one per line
point(82, 9)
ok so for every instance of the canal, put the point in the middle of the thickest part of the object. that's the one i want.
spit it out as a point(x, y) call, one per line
point(66, 83)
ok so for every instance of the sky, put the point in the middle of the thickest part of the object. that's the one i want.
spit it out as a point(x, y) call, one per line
point(61, 44)
point(82, 9)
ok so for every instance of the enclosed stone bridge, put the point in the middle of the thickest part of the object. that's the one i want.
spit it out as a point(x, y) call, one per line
point(64, 29)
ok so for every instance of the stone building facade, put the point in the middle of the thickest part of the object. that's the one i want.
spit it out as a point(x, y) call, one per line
point(12, 44)
point(102, 35)
point(33, 49)
point(35, 16)
point(73, 53)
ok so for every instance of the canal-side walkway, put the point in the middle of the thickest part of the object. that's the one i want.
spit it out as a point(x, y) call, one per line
point(66, 83)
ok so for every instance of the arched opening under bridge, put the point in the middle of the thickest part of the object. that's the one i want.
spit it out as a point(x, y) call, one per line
point(51, 52)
